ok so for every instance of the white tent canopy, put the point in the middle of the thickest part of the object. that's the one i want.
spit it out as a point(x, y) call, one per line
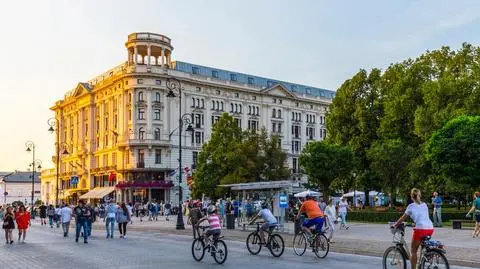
point(359, 193)
point(307, 193)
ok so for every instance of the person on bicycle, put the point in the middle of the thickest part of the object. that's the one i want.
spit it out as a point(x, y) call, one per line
point(213, 221)
point(314, 214)
point(267, 216)
point(418, 212)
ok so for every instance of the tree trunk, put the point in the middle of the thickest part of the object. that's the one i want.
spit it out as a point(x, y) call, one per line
point(367, 197)
point(393, 196)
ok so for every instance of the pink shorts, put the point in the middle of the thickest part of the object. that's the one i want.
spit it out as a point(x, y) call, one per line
point(419, 234)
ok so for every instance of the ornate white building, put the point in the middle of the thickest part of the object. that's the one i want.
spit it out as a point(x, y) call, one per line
point(121, 129)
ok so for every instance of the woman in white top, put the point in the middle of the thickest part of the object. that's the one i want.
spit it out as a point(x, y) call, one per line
point(331, 214)
point(418, 212)
point(342, 211)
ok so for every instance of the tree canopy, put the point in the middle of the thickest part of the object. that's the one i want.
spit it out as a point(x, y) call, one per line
point(232, 156)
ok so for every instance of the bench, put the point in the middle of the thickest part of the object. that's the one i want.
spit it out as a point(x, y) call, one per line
point(457, 223)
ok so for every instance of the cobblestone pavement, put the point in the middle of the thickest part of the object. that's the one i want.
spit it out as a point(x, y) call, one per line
point(361, 238)
point(46, 248)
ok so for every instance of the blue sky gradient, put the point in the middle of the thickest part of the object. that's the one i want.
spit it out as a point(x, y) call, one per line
point(48, 46)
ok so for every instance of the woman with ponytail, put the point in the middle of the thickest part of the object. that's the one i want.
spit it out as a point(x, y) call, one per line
point(418, 212)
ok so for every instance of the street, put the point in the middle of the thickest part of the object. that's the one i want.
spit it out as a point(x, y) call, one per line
point(46, 248)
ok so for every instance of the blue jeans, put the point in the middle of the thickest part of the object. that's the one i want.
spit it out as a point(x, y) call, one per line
point(89, 228)
point(50, 220)
point(343, 216)
point(437, 216)
point(110, 221)
point(79, 226)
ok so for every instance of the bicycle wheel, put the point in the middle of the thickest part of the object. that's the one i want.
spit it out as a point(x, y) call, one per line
point(198, 249)
point(253, 243)
point(393, 258)
point(434, 259)
point(220, 254)
point(321, 246)
point(299, 244)
point(276, 245)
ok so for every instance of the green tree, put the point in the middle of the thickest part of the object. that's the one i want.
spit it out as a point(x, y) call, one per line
point(390, 159)
point(324, 163)
point(454, 152)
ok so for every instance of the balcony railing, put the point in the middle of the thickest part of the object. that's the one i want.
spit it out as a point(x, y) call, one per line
point(148, 36)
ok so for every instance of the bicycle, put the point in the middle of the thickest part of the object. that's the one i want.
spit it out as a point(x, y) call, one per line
point(318, 242)
point(274, 241)
point(216, 247)
point(432, 252)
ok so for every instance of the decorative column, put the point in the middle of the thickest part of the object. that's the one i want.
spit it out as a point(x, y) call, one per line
point(135, 52)
point(149, 55)
point(163, 57)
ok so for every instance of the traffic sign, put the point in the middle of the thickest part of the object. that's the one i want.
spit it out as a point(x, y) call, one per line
point(283, 201)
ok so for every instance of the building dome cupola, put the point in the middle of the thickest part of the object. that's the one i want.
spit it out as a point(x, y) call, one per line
point(149, 49)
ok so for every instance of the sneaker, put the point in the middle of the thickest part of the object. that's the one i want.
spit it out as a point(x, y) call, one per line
point(11, 242)
point(111, 236)
point(85, 242)
point(76, 240)
point(121, 236)
point(108, 236)
point(124, 237)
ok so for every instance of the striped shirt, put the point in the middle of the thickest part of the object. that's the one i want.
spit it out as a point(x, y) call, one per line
point(214, 222)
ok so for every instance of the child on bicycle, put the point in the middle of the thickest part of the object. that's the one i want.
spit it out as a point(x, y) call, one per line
point(213, 221)
point(270, 221)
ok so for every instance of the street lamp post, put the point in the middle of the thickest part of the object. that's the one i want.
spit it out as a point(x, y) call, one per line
point(175, 85)
point(35, 164)
point(54, 125)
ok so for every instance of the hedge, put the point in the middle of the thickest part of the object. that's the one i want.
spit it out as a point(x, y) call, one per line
point(385, 217)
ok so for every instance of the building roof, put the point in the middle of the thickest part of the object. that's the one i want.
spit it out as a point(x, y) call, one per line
point(262, 82)
point(20, 177)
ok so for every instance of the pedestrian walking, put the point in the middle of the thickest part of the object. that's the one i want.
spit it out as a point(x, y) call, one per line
point(57, 216)
point(130, 212)
point(343, 206)
point(437, 202)
point(194, 216)
point(51, 215)
point(90, 220)
point(102, 212)
point(43, 214)
point(22, 217)
point(8, 225)
point(168, 208)
point(82, 213)
point(476, 211)
point(331, 213)
point(111, 211)
point(123, 218)
point(65, 218)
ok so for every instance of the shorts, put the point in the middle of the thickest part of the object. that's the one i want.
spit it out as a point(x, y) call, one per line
point(318, 222)
point(267, 226)
point(215, 233)
point(477, 218)
point(419, 234)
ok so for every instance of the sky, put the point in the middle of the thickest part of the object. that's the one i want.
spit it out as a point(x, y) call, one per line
point(47, 47)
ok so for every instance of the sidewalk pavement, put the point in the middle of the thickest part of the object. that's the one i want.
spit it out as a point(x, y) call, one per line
point(360, 238)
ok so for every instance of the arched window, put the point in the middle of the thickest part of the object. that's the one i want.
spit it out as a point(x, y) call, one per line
point(157, 134)
point(141, 133)
point(257, 111)
point(231, 107)
point(140, 96)
point(249, 110)
point(218, 105)
point(213, 104)
point(279, 113)
point(157, 96)
point(240, 108)
point(274, 113)
point(193, 102)
point(236, 108)
point(203, 103)
point(198, 103)
point(221, 106)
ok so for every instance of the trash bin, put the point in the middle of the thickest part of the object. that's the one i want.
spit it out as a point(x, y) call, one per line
point(230, 222)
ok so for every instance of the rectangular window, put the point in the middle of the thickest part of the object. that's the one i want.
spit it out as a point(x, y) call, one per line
point(157, 114)
point(279, 126)
point(158, 82)
point(250, 81)
point(141, 113)
point(294, 165)
point(215, 73)
point(195, 158)
point(233, 77)
point(198, 137)
point(195, 70)
point(274, 127)
point(114, 158)
point(238, 122)
point(141, 157)
point(158, 156)
point(140, 81)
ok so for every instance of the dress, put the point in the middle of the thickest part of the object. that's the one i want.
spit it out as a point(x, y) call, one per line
point(22, 220)
point(8, 222)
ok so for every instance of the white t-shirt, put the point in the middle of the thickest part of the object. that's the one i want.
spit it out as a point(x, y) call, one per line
point(342, 207)
point(331, 213)
point(419, 215)
point(66, 214)
point(267, 215)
